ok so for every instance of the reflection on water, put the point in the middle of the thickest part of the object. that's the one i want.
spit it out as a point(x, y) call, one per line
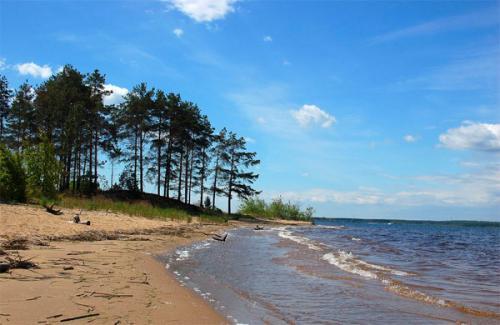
point(347, 271)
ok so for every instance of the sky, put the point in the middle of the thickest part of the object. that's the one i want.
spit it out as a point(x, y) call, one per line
point(364, 109)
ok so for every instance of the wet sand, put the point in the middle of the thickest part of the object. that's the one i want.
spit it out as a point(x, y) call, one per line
point(118, 281)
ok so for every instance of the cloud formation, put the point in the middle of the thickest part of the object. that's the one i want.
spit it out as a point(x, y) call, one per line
point(477, 19)
point(178, 32)
point(204, 10)
point(477, 189)
point(474, 136)
point(116, 97)
point(312, 114)
point(268, 38)
point(410, 138)
point(34, 70)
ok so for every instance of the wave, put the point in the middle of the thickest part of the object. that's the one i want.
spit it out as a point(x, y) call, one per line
point(330, 227)
point(345, 262)
point(299, 239)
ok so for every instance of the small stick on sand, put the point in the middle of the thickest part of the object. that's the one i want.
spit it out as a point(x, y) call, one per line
point(78, 317)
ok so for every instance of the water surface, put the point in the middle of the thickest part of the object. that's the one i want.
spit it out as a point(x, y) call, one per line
point(350, 271)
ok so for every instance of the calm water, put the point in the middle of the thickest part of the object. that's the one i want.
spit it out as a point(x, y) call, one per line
point(350, 271)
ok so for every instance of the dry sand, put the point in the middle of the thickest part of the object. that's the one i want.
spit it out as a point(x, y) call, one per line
point(119, 280)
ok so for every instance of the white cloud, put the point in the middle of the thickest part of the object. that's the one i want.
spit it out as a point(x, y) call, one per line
point(178, 32)
point(479, 19)
point(286, 62)
point(475, 136)
point(204, 10)
point(312, 114)
point(34, 70)
point(3, 64)
point(268, 38)
point(410, 138)
point(116, 97)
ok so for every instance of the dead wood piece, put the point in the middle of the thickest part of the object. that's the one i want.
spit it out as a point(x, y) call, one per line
point(19, 263)
point(67, 268)
point(4, 267)
point(50, 209)
point(15, 244)
point(110, 295)
point(78, 317)
point(80, 253)
point(54, 316)
point(220, 238)
point(34, 298)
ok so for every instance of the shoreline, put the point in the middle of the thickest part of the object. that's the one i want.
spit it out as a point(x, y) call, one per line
point(119, 281)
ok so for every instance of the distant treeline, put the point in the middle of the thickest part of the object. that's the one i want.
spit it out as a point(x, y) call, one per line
point(158, 136)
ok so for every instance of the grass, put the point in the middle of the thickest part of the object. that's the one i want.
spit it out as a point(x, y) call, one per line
point(141, 208)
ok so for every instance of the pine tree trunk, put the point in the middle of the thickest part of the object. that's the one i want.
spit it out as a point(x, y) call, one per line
point(79, 165)
point(141, 161)
point(135, 159)
point(96, 160)
point(202, 177)
point(190, 179)
point(186, 177)
point(158, 167)
point(214, 187)
point(179, 189)
point(166, 189)
point(91, 155)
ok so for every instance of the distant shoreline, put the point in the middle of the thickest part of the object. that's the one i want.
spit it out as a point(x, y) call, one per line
point(420, 221)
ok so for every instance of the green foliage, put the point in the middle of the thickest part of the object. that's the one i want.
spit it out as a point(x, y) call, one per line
point(135, 208)
point(12, 176)
point(43, 171)
point(277, 209)
point(207, 203)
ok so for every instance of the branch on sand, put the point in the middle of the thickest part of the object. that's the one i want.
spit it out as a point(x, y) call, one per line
point(50, 209)
point(16, 262)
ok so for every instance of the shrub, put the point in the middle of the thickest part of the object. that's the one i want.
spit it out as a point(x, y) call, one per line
point(43, 171)
point(277, 209)
point(12, 176)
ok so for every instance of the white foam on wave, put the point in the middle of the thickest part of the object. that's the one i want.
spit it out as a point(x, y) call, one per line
point(408, 292)
point(350, 263)
point(298, 239)
point(330, 227)
point(355, 239)
point(182, 255)
point(346, 262)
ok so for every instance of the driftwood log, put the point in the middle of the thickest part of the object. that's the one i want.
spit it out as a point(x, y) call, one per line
point(50, 209)
point(219, 237)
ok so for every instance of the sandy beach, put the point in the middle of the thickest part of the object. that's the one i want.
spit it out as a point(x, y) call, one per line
point(116, 280)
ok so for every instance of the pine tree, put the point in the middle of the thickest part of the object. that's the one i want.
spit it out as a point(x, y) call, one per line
point(136, 123)
point(21, 126)
point(235, 175)
point(5, 94)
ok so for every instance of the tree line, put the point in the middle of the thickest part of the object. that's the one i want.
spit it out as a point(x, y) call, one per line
point(159, 137)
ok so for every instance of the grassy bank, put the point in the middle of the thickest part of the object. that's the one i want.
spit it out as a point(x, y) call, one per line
point(141, 207)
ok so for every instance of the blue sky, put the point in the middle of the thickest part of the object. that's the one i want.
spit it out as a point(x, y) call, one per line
point(360, 109)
